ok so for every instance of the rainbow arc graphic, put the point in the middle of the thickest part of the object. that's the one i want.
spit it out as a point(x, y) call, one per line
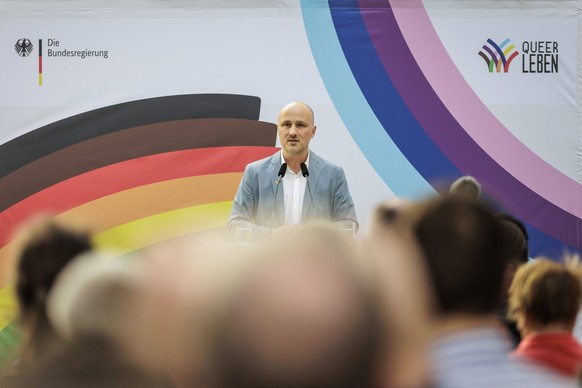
point(143, 172)
point(498, 57)
point(419, 129)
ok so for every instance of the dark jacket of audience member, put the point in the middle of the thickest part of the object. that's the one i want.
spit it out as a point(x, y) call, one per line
point(516, 254)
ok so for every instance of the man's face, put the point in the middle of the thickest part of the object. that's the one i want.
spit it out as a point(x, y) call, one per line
point(295, 126)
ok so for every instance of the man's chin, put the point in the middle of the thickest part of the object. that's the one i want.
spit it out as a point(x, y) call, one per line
point(294, 148)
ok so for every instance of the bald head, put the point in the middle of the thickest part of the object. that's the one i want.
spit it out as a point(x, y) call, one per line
point(298, 106)
point(303, 319)
point(296, 129)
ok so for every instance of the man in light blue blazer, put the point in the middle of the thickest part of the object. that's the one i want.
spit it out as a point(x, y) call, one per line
point(319, 190)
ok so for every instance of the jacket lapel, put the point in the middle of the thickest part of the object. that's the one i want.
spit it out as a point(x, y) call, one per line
point(279, 200)
point(315, 165)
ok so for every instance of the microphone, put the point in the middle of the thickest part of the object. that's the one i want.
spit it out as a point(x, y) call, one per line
point(305, 173)
point(304, 170)
point(280, 176)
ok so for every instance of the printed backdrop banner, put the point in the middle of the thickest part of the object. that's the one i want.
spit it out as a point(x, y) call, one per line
point(140, 116)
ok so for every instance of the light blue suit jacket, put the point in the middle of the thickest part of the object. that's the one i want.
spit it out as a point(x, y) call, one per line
point(255, 199)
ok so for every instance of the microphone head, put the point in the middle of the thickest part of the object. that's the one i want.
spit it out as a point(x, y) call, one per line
point(304, 170)
point(282, 170)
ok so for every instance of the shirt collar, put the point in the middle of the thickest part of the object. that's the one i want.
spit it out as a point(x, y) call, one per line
point(306, 160)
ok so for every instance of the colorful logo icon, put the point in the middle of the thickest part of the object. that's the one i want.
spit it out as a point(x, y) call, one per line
point(23, 47)
point(498, 57)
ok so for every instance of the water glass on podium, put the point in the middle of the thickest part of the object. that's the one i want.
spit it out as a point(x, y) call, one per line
point(242, 233)
point(348, 228)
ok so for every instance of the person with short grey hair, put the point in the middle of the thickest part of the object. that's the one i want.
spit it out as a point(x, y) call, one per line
point(466, 187)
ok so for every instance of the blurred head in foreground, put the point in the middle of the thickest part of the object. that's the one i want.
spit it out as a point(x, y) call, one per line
point(187, 283)
point(91, 306)
point(46, 248)
point(302, 317)
point(463, 247)
point(398, 271)
point(94, 297)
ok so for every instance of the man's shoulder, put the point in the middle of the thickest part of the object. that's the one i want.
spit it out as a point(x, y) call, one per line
point(262, 163)
point(315, 159)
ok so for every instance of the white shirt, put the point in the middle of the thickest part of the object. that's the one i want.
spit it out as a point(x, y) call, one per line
point(293, 193)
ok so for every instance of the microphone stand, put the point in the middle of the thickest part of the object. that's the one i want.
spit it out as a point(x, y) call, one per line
point(305, 173)
point(280, 176)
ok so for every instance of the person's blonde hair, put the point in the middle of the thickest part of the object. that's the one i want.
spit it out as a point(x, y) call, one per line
point(546, 292)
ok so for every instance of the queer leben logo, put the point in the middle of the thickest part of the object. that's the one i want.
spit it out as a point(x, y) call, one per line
point(498, 57)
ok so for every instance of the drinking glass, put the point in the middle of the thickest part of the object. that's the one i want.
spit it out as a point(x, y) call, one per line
point(243, 233)
point(348, 228)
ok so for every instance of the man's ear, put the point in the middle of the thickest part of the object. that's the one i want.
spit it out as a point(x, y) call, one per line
point(313, 131)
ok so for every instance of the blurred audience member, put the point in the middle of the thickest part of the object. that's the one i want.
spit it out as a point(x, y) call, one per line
point(85, 363)
point(463, 245)
point(545, 297)
point(302, 317)
point(466, 187)
point(517, 254)
point(94, 296)
point(91, 306)
point(46, 248)
point(400, 276)
point(413, 306)
point(188, 283)
point(518, 244)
